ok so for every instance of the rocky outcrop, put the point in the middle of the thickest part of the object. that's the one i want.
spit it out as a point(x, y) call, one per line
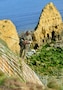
point(12, 65)
point(9, 34)
point(50, 24)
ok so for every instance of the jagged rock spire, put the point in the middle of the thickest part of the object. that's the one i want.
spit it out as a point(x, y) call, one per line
point(50, 20)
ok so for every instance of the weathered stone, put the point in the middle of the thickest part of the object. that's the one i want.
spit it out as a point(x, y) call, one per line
point(9, 34)
point(50, 24)
point(14, 66)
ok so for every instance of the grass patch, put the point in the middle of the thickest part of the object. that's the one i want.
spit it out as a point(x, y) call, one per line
point(2, 78)
point(49, 61)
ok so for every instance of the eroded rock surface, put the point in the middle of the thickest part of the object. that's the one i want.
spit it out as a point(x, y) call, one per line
point(50, 25)
point(9, 34)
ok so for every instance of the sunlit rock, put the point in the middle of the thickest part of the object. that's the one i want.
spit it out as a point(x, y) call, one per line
point(49, 25)
point(9, 34)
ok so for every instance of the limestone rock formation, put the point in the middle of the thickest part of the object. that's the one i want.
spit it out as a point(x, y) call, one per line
point(9, 35)
point(50, 24)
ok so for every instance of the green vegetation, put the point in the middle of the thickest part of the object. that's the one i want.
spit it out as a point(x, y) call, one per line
point(2, 78)
point(47, 61)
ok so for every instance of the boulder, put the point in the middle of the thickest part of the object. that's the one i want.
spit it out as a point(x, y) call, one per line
point(9, 34)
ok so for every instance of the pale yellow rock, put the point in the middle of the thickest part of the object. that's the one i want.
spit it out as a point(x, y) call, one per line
point(50, 20)
point(9, 34)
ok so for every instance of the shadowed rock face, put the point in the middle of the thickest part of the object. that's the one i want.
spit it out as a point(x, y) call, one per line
point(9, 34)
point(50, 21)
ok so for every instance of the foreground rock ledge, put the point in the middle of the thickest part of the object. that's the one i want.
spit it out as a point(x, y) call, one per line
point(12, 65)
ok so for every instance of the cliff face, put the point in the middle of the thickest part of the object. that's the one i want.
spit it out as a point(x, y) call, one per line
point(12, 65)
point(50, 24)
point(9, 35)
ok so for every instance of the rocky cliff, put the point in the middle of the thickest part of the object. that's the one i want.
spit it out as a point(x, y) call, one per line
point(9, 34)
point(49, 26)
point(12, 65)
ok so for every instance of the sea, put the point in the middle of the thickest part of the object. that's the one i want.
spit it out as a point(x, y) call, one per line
point(24, 13)
point(28, 21)
point(25, 21)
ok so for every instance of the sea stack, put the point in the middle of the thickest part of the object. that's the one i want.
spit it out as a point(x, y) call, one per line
point(50, 25)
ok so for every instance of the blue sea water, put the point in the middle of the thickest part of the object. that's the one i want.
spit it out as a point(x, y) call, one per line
point(26, 21)
point(25, 13)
